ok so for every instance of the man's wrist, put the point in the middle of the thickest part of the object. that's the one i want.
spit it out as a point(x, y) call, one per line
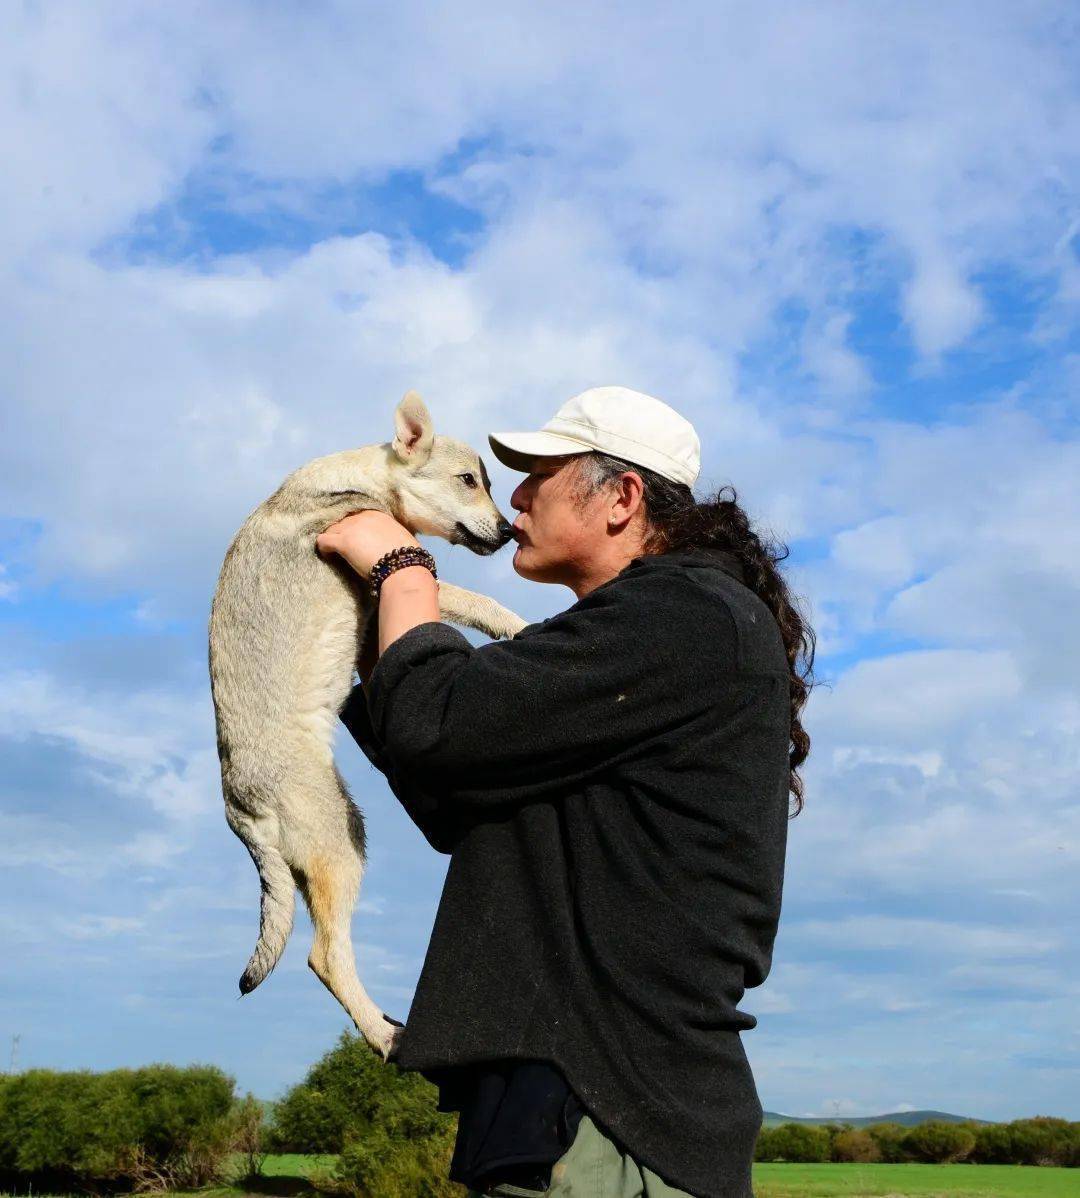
point(409, 596)
point(396, 560)
point(408, 580)
point(364, 565)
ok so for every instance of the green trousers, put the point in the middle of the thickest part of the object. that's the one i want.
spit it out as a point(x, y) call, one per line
point(594, 1167)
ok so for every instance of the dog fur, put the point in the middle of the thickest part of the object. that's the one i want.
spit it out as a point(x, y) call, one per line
point(286, 628)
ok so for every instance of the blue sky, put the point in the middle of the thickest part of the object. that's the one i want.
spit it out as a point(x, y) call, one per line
point(843, 239)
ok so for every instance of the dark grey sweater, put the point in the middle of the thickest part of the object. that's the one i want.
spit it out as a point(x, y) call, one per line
point(612, 786)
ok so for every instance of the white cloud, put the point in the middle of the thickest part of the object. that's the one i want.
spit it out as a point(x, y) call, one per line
point(152, 748)
point(39, 842)
point(941, 309)
point(907, 697)
point(8, 589)
point(830, 359)
point(924, 936)
point(98, 927)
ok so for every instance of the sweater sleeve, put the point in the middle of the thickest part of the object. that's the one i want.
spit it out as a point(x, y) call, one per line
point(434, 820)
point(520, 719)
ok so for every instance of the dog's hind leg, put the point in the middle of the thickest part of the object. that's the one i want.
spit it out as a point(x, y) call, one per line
point(330, 886)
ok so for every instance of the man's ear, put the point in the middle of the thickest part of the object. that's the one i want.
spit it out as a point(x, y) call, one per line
point(626, 499)
point(413, 430)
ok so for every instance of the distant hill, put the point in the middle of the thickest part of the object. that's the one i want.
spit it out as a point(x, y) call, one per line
point(906, 1118)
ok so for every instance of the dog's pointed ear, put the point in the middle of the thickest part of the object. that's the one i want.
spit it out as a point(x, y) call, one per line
point(413, 430)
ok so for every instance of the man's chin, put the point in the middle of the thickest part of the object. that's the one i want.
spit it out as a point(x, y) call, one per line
point(524, 565)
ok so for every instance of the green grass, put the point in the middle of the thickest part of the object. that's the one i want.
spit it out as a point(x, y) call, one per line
point(287, 1176)
point(924, 1181)
point(815, 1181)
point(284, 1175)
point(293, 1164)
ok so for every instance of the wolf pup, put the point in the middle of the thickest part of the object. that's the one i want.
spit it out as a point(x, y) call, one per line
point(286, 628)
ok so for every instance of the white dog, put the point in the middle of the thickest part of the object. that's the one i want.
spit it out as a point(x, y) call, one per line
point(285, 631)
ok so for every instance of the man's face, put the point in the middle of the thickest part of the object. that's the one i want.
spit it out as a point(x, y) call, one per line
point(556, 530)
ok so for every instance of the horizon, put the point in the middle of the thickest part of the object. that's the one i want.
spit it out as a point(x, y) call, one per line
point(840, 246)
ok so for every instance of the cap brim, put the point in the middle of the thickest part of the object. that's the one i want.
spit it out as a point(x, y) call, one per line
point(520, 450)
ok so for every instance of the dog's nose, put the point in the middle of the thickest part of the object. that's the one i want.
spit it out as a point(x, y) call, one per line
point(505, 529)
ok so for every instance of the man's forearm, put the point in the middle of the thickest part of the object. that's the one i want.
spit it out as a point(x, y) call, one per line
point(407, 597)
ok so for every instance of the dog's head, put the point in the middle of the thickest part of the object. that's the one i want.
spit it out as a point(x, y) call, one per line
point(440, 485)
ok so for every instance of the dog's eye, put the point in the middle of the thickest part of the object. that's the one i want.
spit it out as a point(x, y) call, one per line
point(468, 479)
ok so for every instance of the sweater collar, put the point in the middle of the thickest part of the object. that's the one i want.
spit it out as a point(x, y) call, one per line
point(709, 559)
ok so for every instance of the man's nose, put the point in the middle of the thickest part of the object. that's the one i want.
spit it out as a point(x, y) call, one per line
point(517, 500)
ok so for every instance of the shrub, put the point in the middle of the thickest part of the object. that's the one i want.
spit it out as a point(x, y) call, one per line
point(764, 1145)
point(348, 1093)
point(1038, 1141)
point(832, 1130)
point(792, 1142)
point(384, 1165)
point(889, 1138)
point(248, 1136)
point(993, 1144)
point(854, 1144)
point(938, 1142)
point(383, 1121)
point(144, 1128)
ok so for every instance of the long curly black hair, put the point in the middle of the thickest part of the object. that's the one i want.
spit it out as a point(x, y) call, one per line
point(676, 520)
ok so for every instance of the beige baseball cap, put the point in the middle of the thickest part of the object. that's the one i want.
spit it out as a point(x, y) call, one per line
point(615, 420)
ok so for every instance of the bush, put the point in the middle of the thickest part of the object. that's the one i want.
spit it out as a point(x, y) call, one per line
point(1045, 1141)
point(249, 1135)
point(764, 1149)
point(1039, 1141)
point(853, 1144)
point(792, 1142)
point(384, 1165)
point(993, 1144)
point(383, 1121)
point(349, 1093)
point(938, 1142)
point(148, 1128)
point(889, 1138)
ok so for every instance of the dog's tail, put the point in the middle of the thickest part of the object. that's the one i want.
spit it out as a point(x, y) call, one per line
point(275, 914)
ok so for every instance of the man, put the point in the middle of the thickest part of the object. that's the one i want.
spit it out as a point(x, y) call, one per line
point(612, 788)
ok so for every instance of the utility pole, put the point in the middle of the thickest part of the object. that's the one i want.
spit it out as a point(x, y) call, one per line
point(15, 1050)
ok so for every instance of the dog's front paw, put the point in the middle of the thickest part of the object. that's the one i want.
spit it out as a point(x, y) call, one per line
point(507, 625)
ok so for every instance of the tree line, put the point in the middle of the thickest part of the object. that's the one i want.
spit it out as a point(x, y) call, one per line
point(167, 1128)
point(1043, 1140)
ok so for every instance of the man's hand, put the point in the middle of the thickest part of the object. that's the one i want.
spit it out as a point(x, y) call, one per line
point(409, 596)
point(362, 538)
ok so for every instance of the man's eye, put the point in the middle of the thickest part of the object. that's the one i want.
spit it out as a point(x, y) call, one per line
point(468, 479)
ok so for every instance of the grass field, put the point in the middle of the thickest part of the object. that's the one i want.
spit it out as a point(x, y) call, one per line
point(284, 1175)
point(288, 1176)
point(294, 1165)
point(924, 1181)
point(813, 1181)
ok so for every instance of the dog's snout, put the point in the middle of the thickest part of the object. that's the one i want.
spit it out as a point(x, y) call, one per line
point(505, 530)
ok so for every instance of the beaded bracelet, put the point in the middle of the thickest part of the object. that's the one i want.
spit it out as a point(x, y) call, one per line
point(398, 559)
